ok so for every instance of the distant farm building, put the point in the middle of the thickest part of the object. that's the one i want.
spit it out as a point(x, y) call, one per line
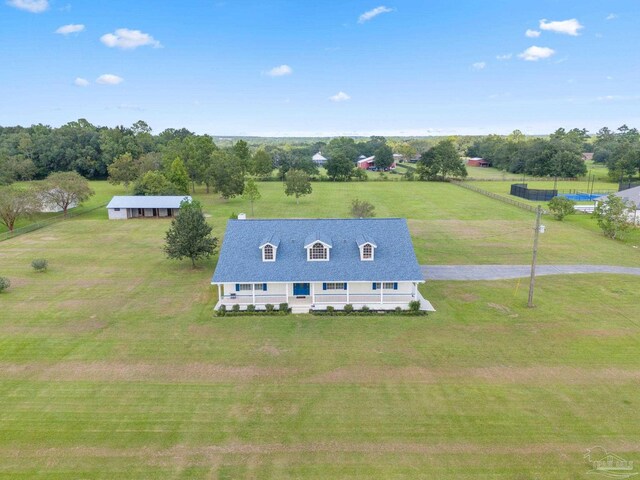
point(478, 162)
point(125, 207)
point(587, 156)
point(319, 160)
point(369, 163)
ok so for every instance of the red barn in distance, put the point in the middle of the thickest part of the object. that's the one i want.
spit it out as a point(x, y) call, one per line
point(478, 162)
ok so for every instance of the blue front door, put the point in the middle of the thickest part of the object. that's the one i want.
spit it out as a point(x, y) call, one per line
point(300, 289)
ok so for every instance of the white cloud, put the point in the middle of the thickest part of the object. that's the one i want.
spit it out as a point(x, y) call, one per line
point(532, 33)
point(506, 56)
point(567, 27)
point(611, 16)
point(340, 97)
point(129, 39)
point(280, 71)
point(533, 54)
point(609, 77)
point(81, 82)
point(109, 79)
point(33, 6)
point(479, 65)
point(71, 28)
point(366, 16)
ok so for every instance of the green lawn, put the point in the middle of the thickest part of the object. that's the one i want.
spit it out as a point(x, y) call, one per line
point(113, 366)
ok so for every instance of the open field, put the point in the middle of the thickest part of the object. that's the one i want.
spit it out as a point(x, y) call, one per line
point(112, 365)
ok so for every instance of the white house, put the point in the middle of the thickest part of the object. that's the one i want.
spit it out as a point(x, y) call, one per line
point(124, 207)
point(315, 263)
point(319, 160)
point(631, 197)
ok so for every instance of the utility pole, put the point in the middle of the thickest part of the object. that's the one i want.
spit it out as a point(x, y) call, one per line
point(532, 280)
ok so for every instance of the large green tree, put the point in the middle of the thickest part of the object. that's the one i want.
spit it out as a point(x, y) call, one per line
point(383, 157)
point(154, 183)
point(342, 146)
point(298, 184)
point(124, 169)
point(224, 175)
point(339, 167)
point(64, 189)
point(262, 164)
point(178, 176)
point(190, 235)
point(441, 162)
point(243, 155)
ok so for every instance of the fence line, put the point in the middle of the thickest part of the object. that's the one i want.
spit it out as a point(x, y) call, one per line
point(46, 222)
point(496, 196)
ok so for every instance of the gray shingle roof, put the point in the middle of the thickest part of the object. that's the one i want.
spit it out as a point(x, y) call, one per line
point(241, 259)
point(157, 201)
point(630, 195)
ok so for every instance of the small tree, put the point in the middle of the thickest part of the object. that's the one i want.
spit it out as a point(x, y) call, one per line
point(4, 284)
point(16, 203)
point(362, 209)
point(440, 162)
point(124, 169)
point(251, 192)
point(190, 235)
point(179, 176)
point(297, 183)
point(560, 207)
point(64, 189)
point(613, 216)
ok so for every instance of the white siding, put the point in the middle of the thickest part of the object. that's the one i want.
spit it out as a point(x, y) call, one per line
point(117, 214)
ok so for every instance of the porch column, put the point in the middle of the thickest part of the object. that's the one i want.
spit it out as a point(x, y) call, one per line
point(313, 293)
point(413, 289)
point(347, 292)
point(219, 294)
point(381, 294)
point(253, 293)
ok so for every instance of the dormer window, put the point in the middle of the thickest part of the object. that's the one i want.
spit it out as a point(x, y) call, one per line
point(269, 248)
point(318, 248)
point(367, 248)
point(318, 252)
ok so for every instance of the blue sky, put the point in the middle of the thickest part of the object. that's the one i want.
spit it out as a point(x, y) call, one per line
point(323, 67)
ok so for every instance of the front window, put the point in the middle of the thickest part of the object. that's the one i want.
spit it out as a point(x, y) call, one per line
point(336, 286)
point(318, 252)
point(243, 287)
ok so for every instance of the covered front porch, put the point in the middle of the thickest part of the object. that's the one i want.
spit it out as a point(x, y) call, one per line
point(306, 296)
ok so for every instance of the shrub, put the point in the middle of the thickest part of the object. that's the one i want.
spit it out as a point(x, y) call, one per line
point(284, 307)
point(222, 311)
point(236, 308)
point(331, 310)
point(560, 207)
point(269, 307)
point(362, 209)
point(409, 176)
point(398, 309)
point(251, 308)
point(40, 264)
point(365, 309)
point(360, 175)
point(348, 308)
point(4, 283)
point(414, 306)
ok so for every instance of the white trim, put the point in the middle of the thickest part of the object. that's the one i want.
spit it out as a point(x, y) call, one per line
point(373, 252)
point(317, 281)
point(327, 249)
point(275, 252)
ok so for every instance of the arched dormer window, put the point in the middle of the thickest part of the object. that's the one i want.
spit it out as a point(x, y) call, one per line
point(367, 252)
point(268, 253)
point(318, 252)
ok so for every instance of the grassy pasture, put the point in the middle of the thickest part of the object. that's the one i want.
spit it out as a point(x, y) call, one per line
point(112, 366)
